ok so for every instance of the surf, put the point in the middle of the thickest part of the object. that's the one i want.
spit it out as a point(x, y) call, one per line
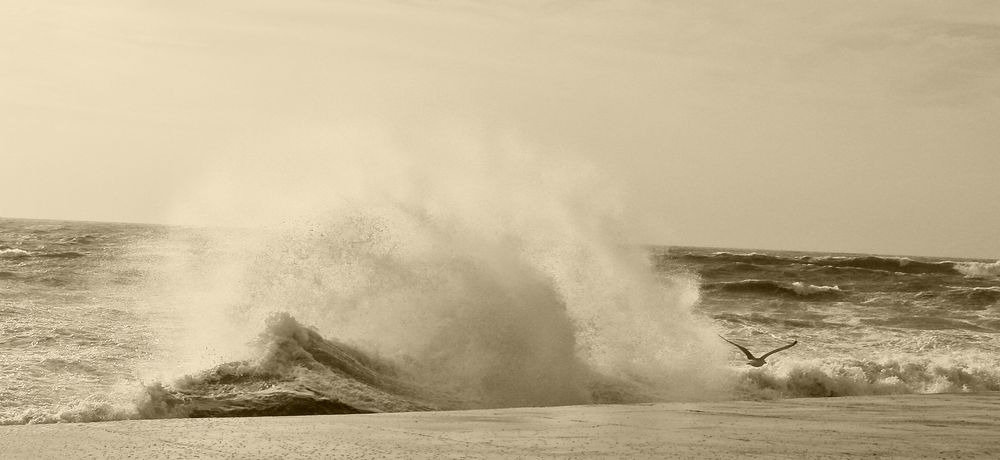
point(497, 276)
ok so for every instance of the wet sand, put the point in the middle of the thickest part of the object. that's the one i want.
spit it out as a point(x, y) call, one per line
point(911, 426)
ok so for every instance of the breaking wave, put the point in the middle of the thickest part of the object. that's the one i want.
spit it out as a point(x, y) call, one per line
point(828, 378)
point(299, 372)
point(979, 269)
point(431, 277)
point(13, 252)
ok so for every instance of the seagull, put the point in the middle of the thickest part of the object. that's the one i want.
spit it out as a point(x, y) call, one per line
point(754, 361)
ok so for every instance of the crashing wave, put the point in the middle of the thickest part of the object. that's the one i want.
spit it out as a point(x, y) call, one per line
point(861, 377)
point(299, 373)
point(979, 269)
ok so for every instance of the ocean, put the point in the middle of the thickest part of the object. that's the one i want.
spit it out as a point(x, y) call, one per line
point(400, 311)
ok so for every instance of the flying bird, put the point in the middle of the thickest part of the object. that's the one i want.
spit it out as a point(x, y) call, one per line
point(753, 360)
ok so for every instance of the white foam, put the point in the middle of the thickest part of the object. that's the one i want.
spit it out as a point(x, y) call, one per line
point(899, 374)
point(801, 288)
point(979, 269)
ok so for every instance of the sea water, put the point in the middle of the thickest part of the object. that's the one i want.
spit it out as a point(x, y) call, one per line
point(399, 310)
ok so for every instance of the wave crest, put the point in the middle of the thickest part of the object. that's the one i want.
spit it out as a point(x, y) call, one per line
point(861, 377)
point(871, 263)
point(298, 373)
point(777, 289)
point(13, 253)
point(979, 269)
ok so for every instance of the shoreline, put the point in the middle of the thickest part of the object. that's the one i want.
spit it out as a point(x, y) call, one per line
point(912, 426)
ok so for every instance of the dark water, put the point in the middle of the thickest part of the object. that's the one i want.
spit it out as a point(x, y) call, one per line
point(112, 321)
point(866, 324)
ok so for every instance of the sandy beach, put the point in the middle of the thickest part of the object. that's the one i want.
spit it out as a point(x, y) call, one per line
point(911, 426)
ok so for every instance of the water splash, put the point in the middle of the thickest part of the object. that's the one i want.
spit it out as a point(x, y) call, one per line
point(501, 275)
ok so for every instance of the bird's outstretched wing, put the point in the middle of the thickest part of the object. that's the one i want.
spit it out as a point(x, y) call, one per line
point(744, 350)
point(779, 349)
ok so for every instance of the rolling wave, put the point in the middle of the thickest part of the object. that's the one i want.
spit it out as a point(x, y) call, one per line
point(871, 263)
point(973, 296)
point(777, 289)
point(60, 255)
point(81, 240)
point(889, 264)
point(749, 258)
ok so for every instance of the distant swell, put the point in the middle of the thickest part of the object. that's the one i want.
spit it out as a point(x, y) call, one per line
point(15, 253)
point(777, 289)
point(61, 255)
point(891, 264)
point(751, 258)
point(82, 239)
point(874, 263)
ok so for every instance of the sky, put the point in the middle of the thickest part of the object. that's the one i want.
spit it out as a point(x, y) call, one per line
point(850, 126)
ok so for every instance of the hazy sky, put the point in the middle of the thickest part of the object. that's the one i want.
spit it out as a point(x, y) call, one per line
point(857, 126)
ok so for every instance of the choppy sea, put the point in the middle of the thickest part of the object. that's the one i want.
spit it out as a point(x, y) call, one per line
point(103, 321)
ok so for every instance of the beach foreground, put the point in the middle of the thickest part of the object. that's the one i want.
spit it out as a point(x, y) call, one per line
point(911, 426)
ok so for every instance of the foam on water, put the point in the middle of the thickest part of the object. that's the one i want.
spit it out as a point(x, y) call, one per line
point(13, 252)
point(979, 269)
point(901, 374)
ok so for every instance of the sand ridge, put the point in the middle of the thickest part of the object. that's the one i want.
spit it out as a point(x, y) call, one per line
point(908, 426)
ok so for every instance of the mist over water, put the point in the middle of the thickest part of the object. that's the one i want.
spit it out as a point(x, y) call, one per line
point(496, 274)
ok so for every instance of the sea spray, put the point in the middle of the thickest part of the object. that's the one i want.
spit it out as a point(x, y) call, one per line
point(148, 326)
point(501, 277)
